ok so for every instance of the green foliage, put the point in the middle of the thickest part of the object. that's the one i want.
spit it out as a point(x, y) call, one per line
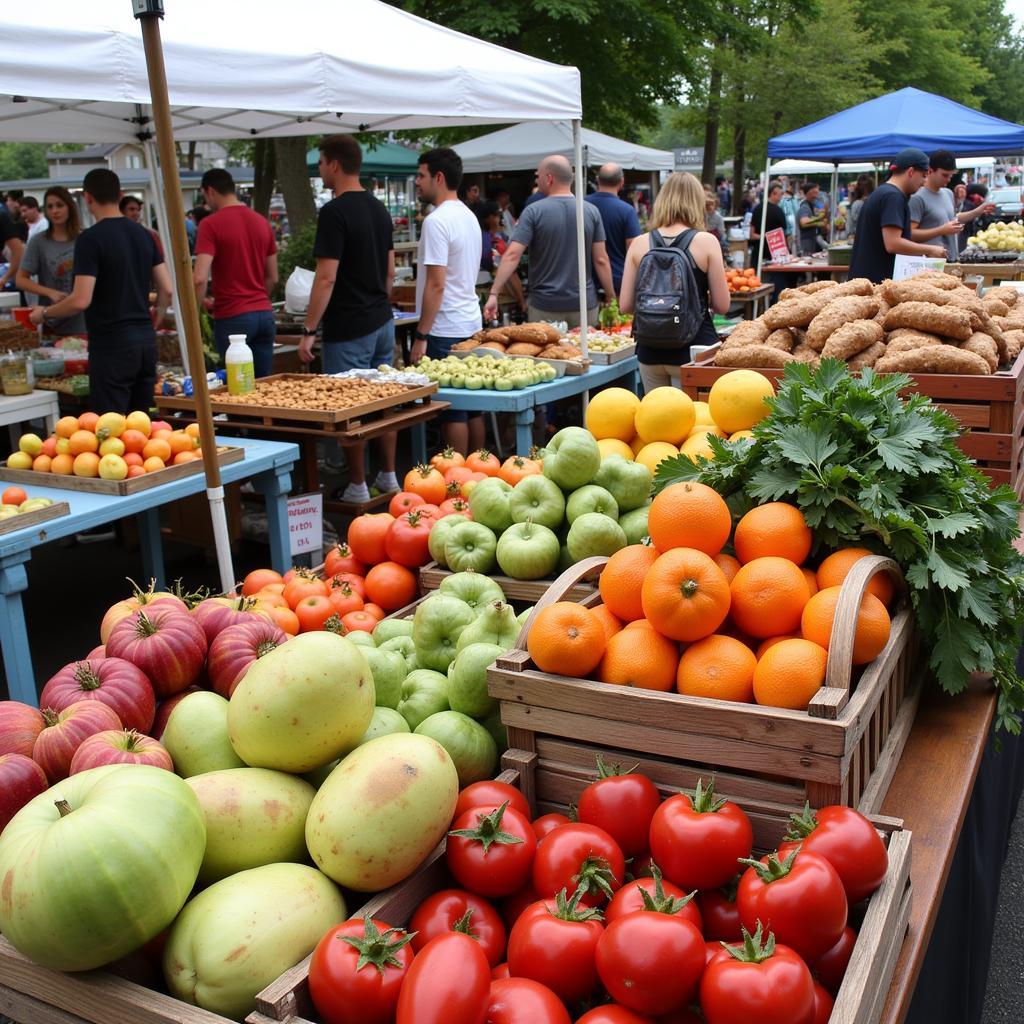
point(22, 160)
point(296, 252)
point(869, 468)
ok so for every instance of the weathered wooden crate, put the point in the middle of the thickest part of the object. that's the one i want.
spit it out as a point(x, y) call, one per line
point(843, 750)
point(552, 785)
point(990, 408)
point(531, 591)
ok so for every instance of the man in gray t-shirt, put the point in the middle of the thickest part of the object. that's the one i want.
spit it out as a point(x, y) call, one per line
point(548, 229)
point(933, 216)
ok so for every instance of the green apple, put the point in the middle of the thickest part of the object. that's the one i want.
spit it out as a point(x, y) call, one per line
point(590, 498)
point(528, 551)
point(437, 625)
point(467, 679)
point(593, 534)
point(196, 735)
point(489, 504)
point(388, 629)
point(469, 745)
point(470, 546)
point(389, 670)
point(476, 589)
point(628, 482)
point(424, 692)
point(572, 458)
point(439, 535)
point(539, 500)
point(634, 524)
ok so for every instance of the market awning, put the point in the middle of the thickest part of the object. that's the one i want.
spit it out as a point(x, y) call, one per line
point(798, 167)
point(386, 159)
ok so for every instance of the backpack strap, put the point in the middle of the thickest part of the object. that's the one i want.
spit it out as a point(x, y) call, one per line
point(656, 239)
point(682, 241)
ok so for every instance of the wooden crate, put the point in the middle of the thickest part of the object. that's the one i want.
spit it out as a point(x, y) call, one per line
point(606, 358)
point(531, 591)
point(990, 408)
point(554, 785)
point(843, 750)
point(40, 515)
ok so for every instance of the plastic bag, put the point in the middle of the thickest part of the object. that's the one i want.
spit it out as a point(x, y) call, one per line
point(296, 291)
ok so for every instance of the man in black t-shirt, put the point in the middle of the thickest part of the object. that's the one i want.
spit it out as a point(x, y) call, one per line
point(351, 294)
point(10, 241)
point(883, 226)
point(774, 218)
point(116, 262)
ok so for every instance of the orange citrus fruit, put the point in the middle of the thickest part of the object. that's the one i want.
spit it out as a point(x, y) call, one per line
point(685, 596)
point(790, 674)
point(834, 569)
point(83, 441)
point(872, 630)
point(773, 640)
point(641, 658)
point(775, 529)
point(611, 624)
point(566, 639)
point(88, 421)
point(157, 447)
point(728, 564)
point(720, 667)
point(86, 464)
point(689, 515)
point(66, 426)
point(768, 597)
point(154, 464)
point(812, 580)
point(134, 471)
point(622, 580)
point(180, 442)
point(42, 464)
point(63, 465)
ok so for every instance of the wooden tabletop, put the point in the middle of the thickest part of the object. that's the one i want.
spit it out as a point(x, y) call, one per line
point(930, 792)
point(804, 268)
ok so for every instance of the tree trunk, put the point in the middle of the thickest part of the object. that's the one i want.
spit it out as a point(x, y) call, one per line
point(263, 184)
point(739, 147)
point(191, 164)
point(293, 177)
point(713, 119)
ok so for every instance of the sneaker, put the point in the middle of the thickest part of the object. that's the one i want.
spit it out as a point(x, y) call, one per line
point(386, 483)
point(356, 494)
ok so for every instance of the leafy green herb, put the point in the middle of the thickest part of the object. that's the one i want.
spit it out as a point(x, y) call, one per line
point(872, 469)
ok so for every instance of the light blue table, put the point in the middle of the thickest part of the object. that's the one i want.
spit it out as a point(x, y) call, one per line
point(524, 401)
point(267, 464)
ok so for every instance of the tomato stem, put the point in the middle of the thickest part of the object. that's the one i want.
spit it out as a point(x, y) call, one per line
point(801, 825)
point(264, 647)
point(613, 770)
point(774, 869)
point(464, 924)
point(86, 678)
point(332, 625)
point(661, 902)
point(704, 800)
point(567, 909)
point(755, 949)
point(145, 626)
point(376, 947)
point(595, 875)
point(488, 830)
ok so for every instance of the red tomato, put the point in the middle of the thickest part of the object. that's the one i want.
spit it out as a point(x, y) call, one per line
point(447, 458)
point(450, 980)
point(770, 988)
point(517, 467)
point(611, 1013)
point(499, 972)
point(455, 505)
point(800, 899)
point(375, 610)
point(302, 586)
point(720, 914)
point(426, 481)
point(406, 541)
point(357, 583)
point(697, 840)
point(258, 579)
point(848, 841)
point(822, 1005)
point(345, 992)
point(575, 855)
point(548, 823)
point(344, 599)
point(433, 511)
point(490, 850)
point(366, 537)
point(341, 559)
point(458, 474)
point(490, 793)
point(623, 805)
point(358, 621)
point(830, 967)
point(651, 962)
point(405, 501)
point(663, 897)
point(455, 910)
point(554, 942)
point(391, 585)
point(524, 1001)
point(483, 461)
point(512, 906)
point(313, 612)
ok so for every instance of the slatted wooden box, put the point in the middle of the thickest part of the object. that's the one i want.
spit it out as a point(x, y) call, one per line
point(530, 591)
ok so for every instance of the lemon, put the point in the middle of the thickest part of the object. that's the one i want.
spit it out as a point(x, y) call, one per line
point(651, 454)
point(19, 460)
point(740, 434)
point(704, 428)
point(110, 424)
point(31, 444)
point(737, 399)
point(665, 414)
point(697, 445)
point(112, 446)
point(611, 414)
point(703, 414)
point(613, 446)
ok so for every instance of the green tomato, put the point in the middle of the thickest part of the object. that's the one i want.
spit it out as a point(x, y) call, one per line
point(470, 547)
point(522, 381)
point(496, 624)
point(473, 588)
point(437, 626)
point(504, 384)
point(406, 646)
point(488, 384)
point(523, 616)
point(439, 533)
point(388, 629)
point(458, 380)
point(474, 382)
point(467, 679)
point(468, 744)
point(385, 722)
point(629, 483)
point(489, 504)
point(424, 693)
point(389, 671)
point(590, 498)
point(594, 534)
point(444, 380)
point(528, 551)
point(634, 524)
point(539, 500)
point(360, 638)
point(572, 458)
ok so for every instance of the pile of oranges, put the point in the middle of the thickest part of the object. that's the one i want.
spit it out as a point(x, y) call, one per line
point(683, 615)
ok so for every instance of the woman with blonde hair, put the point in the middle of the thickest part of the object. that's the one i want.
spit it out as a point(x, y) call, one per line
point(678, 211)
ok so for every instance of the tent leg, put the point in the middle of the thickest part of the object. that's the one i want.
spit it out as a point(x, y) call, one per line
point(581, 246)
point(764, 213)
point(835, 203)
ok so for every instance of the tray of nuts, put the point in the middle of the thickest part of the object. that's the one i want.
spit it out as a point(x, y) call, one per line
point(310, 397)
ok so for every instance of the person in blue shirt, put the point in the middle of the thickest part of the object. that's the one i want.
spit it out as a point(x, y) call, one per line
point(621, 224)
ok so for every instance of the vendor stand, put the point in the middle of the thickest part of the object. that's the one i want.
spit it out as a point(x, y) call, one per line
point(15, 409)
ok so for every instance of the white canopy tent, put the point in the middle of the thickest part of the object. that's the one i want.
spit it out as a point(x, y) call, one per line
point(523, 146)
point(817, 167)
point(80, 75)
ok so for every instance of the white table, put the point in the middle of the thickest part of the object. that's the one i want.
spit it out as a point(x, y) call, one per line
point(16, 409)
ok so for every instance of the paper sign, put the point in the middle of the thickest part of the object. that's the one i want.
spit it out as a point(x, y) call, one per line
point(306, 523)
point(776, 239)
point(908, 266)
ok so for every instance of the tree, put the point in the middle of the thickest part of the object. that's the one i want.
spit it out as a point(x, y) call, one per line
point(293, 177)
point(996, 43)
point(22, 160)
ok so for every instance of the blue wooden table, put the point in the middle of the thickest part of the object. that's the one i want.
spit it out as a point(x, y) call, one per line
point(524, 401)
point(267, 464)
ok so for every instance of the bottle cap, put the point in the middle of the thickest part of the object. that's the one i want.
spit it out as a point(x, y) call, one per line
point(232, 338)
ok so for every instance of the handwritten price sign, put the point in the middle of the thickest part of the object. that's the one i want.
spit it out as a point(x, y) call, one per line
point(306, 523)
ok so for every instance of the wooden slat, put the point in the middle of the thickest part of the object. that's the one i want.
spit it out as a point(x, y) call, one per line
point(976, 416)
point(994, 447)
point(432, 576)
point(23, 520)
point(26, 1010)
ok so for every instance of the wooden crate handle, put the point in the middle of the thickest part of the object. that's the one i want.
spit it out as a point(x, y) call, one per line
point(588, 569)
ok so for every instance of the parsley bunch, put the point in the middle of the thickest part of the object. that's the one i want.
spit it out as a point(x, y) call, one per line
point(871, 469)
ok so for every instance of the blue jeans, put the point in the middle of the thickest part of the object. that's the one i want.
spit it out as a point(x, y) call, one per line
point(259, 331)
point(365, 353)
point(438, 348)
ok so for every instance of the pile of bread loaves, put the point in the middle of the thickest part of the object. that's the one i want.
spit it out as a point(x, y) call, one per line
point(929, 323)
point(540, 340)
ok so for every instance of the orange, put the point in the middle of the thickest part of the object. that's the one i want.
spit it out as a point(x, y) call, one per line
point(186, 457)
point(87, 464)
point(42, 464)
point(768, 597)
point(154, 464)
point(88, 421)
point(790, 674)
point(872, 630)
point(772, 641)
point(566, 639)
point(193, 431)
point(133, 440)
point(66, 426)
point(812, 580)
point(689, 515)
point(50, 446)
point(611, 624)
point(285, 618)
point(14, 496)
point(837, 566)
point(685, 595)
point(622, 579)
point(133, 458)
point(720, 667)
point(775, 529)
point(729, 565)
point(638, 624)
point(135, 471)
point(641, 658)
point(82, 441)
point(63, 465)
point(158, 447)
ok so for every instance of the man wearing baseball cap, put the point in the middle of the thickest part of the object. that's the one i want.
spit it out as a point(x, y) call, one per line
point(883, 228)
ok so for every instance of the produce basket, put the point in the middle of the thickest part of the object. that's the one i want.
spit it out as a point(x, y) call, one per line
point(843, 750)
point(554, 785)
point(615, 356)
point(989, 407)
point(531, 591)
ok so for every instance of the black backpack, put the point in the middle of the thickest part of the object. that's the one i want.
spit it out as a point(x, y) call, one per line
point(669, 308)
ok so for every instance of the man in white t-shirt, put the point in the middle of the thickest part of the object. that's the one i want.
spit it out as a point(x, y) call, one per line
point(32, 215)
point(448, 263)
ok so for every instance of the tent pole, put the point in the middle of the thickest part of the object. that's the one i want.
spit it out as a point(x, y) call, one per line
point(835, 202)
point(581, 253)
point(764, 213)
point(186, 297)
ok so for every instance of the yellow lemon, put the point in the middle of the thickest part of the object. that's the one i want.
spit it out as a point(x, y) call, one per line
point(112, 467)
point(737, 399)
point(704, 428)
point(665, 414)
point(702, 414)
point(740, 434)
point(30, 443)
point(651, 454)
point(613, 446)
point(19, 460)
point(611, 414)
point(112, 446)
point(139, 421)
point(110, 424)
point(697, 445)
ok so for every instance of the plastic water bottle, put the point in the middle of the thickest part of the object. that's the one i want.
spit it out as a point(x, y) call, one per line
point(240, 366)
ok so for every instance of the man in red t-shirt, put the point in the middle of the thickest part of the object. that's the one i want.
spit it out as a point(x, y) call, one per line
point(237, 245)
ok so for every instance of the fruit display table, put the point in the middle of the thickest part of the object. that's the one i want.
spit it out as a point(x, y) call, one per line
point(750, 303)
point(836, 271)
point(15, 409)
point(267, 464)
point(523, 402)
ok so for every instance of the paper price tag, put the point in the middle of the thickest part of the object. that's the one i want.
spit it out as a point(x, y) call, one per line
point(306, 523)
point(776, 239)
point(908, 266)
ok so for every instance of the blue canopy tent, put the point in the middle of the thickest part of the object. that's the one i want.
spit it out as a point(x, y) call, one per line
point(878, 129)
